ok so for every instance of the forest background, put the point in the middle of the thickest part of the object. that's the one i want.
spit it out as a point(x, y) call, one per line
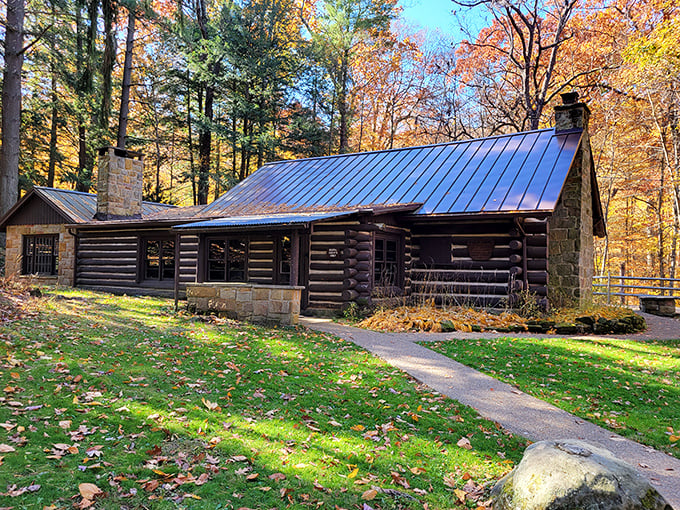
point(209, 90)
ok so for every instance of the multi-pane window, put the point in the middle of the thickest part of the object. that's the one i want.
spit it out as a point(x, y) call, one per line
point(386, 262)
point(159, 259)
point(226, 260)
point(40, 255)
point(283, 260)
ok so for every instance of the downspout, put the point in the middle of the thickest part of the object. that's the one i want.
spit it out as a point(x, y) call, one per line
point(76, 242)
point(176, 275)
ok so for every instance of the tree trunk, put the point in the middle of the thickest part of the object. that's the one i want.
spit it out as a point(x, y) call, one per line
point(127, 81)
point(54, 121)
point(204, 145)
point(108, 59)
point(11, 105)
point(342, 104)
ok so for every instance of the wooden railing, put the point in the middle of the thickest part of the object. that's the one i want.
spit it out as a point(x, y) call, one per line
point(627, 287)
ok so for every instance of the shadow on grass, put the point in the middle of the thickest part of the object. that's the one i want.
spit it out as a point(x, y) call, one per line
point(183, 398)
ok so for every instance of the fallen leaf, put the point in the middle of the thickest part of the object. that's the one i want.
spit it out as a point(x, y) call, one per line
point(5, 448)
point(277, 476)
point(89, 490)
point(252, 476)
point(416, 470)
point(460, 494)
point(464, 442)
point(369, 495)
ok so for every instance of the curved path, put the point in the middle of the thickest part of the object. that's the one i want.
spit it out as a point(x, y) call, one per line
point(515, 410)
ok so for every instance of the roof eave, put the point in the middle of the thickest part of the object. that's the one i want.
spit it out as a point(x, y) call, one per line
point(478, 215)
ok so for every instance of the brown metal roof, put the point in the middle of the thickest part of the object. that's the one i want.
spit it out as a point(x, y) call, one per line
point(75, 206)
point(520, 172)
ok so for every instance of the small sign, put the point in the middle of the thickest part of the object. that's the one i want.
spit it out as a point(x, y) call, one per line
point(333, 253)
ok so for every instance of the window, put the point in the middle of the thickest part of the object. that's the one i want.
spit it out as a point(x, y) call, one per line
point(159, 259)
point(386, 262)
point(282, 261)
point(226, 260)
point(40, 255)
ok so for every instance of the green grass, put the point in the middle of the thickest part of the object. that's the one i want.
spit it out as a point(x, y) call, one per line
point(150, 401)
point(629, 387)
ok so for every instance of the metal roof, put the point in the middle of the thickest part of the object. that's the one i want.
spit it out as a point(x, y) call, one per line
point(263, 220)
point(520, 172)
point(81, 207)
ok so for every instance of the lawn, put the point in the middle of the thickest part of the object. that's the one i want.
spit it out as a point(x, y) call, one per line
point(629, 387)
point(119, 402)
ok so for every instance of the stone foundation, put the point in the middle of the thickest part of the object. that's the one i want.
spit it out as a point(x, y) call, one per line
point(14, 247)
point(658, 305)
point(244, 301)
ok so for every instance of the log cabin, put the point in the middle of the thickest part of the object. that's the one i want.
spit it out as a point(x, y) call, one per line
point(467, 222)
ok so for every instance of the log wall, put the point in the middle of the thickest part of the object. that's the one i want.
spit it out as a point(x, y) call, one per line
point(109, 260)
point(448, 269)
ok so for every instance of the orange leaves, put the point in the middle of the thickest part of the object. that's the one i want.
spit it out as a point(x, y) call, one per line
point(430, 318)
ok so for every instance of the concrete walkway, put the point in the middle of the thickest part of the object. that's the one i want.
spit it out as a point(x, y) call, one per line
point(514, 410)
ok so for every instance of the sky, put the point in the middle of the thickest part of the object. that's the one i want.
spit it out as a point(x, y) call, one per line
point(438, 14)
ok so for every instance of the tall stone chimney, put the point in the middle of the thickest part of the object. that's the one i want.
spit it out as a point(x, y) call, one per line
point(571, 114)
point(119, 184)
point(570, 228)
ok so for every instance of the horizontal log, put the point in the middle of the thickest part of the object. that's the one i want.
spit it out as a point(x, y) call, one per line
point(359, 236)
point(498, 229)
point(331, 265)
point(350, 272)
point(351, 262)
point(537, 277)
point(350, 253)
point(363, 256)
point(121, 262)
point(326, 277)
point(537, 252)
point(497, 252)
point(540, 290)
point(325, 287)
point(461, 288)
point(324, 247)
point(327, 297)
point(455, 275)
point(516, 271)
point(465, 264)
point(351, 243)
point(349, 283)
point(363, 287)
point(104, 241)
point(532, 226)
point(363, 246)
point(349, 295)
point(515, 244)
point(537, 240)
point(91, 279)
point(515, 258)
point(333, 227)
point(258, 273)
point(106, 248)
point(89, 268)
point(260, 264)
point(111, 255)
point(537, 264)
point(362, 276)
point(338, 237)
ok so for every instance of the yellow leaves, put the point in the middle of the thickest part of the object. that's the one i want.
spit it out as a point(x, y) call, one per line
point(353, 473)
point(369, 495)
point(416, 470)
point(358, 427)
point(460, 494)
point(212, 406)
point(430, 318)
point(14, 376)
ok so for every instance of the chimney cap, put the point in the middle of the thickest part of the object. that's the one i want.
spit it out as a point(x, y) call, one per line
point(569, 97)
point(122, 153)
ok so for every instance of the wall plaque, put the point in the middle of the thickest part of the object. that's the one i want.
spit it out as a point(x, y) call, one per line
point(480, 249)
point(333, 253)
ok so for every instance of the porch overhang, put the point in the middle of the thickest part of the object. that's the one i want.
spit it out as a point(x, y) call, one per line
point(276, 221)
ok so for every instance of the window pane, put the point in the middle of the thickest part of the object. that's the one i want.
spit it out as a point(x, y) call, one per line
point(237, 260)
point(216, 250)
point(391, 251)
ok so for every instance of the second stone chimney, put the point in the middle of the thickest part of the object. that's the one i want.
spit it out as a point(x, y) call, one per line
point(119, 184)
point(571, 114)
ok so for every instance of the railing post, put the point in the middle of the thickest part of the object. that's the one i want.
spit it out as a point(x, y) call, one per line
point(609, 287)
point(623, 282)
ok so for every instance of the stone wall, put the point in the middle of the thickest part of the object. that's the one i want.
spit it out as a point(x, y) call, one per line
point(245, 301)
point(66, 255)
point(571, 247)
point(119, 185)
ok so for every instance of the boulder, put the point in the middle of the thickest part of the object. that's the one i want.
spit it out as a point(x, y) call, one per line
point(571, 474)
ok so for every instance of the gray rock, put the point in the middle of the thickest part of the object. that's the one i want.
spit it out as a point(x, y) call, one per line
point(570, 475)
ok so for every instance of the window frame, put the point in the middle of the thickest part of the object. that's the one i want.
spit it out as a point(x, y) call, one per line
point(205, 259)
point(279, 276)
point(398, 285)
point(29, 262)
point(143, 259)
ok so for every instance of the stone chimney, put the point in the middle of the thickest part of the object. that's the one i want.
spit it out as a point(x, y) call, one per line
point(119, 184)
point(571, 114)
point(570, 228)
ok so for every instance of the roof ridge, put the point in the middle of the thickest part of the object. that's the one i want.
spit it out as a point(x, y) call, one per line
point(426, 146)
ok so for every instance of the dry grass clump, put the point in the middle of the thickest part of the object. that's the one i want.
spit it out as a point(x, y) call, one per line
point(433, 319)
point(608, 312)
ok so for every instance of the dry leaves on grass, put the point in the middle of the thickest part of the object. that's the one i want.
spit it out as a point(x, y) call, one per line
point(430, 318)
